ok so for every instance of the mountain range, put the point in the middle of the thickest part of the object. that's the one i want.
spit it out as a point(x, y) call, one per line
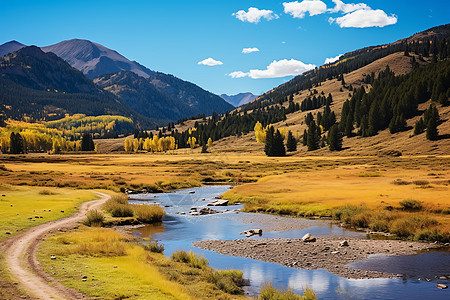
point(150, 97)
point(239, 99)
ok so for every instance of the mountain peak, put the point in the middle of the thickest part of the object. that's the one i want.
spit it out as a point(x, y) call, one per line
point(94, 59)
point(9, 47)
point(239, 99)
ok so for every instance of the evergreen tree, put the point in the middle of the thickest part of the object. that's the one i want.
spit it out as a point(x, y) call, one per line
point(268, 148)
point(87, 143)
point(432, 131)
point(16, 143)
point(349, 127)
point(335, 138)
point(313, 137)
point(278, 148)
point(305, 138)
point(419, 127)
point(291, 143)
point(205, 148)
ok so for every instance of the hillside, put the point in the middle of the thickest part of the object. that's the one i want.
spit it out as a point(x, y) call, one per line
point(282, 107)
point(10, 47)
point(35, 85)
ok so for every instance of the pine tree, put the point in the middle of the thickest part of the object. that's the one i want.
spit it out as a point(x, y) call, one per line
point(305, 138)
point(87, 143)
point(419, 127)
point(349, 126)
point(291, 143)
point(16, 143)
point(335, 138)
point(313, 137)
point(432, 131)
point(278, 148)
point(268, 148)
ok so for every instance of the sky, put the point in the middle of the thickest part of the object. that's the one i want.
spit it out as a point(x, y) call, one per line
point(227, 46)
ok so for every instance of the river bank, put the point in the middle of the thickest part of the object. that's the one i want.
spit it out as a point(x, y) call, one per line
point(325, 253)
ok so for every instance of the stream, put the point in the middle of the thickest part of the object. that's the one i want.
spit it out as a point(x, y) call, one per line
point(179, 229)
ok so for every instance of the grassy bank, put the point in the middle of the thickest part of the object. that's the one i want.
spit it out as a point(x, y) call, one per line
point(115, 267)
point(411, 203)
point(23, 207)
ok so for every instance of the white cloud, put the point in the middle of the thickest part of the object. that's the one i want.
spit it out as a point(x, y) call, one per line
point(365, 18)
point(249, 50)
point(276, 69)
point(330, 60)
point(238, 74)
point(210, 62)
point(346, 8)
point(254, 15)
point(299, 9)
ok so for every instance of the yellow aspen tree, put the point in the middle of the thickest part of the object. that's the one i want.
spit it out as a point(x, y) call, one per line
point(210, 143)
point(136, 145)
point(128, 145)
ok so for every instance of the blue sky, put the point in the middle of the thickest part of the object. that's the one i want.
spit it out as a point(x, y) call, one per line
point(174, 36)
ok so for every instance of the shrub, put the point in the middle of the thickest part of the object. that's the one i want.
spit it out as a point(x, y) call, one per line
point(381, 221)
point(431, 235)
point(410, 204)
point(154, 247)
point(148, 213)
point(421, 182)
point(118, 206)
point(409, 225)
point(268, 292)
point(229, 281)
point(347, 212)
point(190, 258)
point(46, 192)
point(94, 218)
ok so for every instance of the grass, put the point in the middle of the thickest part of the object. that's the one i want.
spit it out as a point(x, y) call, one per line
point(119, 207)
point(153, 246)
point(94, 218)
point(190, 258)
point(268, 292)
point(126, 270)
point(23, 207)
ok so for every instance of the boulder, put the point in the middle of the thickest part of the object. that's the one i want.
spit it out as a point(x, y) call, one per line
point(308, 238)
point(441, 286)
point(219, 202)
point(343, 243)
point(252, 232)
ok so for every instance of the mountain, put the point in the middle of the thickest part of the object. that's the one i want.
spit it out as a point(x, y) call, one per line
point(170, 98)
point(10, 47)
point(138, 93)
point(239, 99)
point(41, 86)
point(199, 100)
point(94, 59)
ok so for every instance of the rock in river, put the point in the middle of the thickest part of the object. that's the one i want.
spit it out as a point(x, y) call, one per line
point(307, 238)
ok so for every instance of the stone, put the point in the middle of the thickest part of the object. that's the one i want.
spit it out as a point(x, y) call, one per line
point(441, 286)
point(343, 243)
point(252, 232)
point(53, 257)
point(308, 238)
point(219, 202)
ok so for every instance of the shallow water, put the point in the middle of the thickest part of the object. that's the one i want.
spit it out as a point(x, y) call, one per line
point(177, 232)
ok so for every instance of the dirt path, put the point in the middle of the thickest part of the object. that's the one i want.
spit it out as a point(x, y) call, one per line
point(21, 262)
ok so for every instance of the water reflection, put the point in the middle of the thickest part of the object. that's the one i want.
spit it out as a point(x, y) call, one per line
point(179, 230)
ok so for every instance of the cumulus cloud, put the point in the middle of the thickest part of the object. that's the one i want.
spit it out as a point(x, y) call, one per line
point(276, 69)
point(210, 62)
point(347, 8)
point(254, 15)
point(249, 50)
point(365, 18)
point(299, 9)
point(330, 60)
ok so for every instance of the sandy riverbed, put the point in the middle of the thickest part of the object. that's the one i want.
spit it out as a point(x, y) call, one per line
point(325, 253)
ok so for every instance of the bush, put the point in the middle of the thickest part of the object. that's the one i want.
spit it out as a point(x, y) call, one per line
point(347, 212)
point(410, 204)
point(190, 258)
point(94, 218)
point(229, 281)
point(268, 292)
point(154, 247)
point(118, 206)
point(148, 213)
point(408, 226)
point(431, 235)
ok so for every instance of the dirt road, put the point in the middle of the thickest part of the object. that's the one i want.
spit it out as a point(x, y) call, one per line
point(21, 262)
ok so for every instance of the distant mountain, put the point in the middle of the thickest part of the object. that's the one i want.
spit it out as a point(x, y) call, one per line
point(10, 47)
point(138, 93)
point(239, 99)
point(41, 86)
point(170, 98)
point(199, 100)
point(94, 59)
